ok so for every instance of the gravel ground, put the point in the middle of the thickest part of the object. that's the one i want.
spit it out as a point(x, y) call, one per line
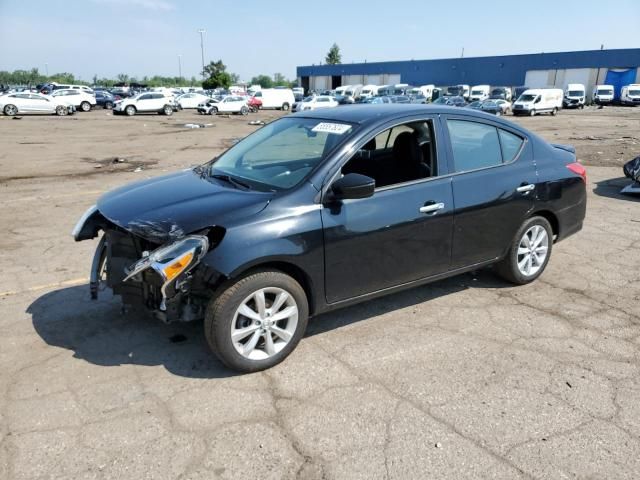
point(465, 378)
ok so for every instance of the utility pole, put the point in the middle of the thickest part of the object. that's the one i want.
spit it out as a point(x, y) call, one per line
point(46, 68)
point(202, 31)
point(180, 68)
point(462, 54)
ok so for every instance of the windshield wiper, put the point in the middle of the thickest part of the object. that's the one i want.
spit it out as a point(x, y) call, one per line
point(232, 180)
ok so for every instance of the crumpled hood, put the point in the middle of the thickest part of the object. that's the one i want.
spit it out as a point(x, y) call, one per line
point(168, 207)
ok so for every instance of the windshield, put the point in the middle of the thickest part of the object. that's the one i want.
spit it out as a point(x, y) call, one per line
point(575, 93)
point(454, 90)
point(308, 99)
point(527, 98)
point(634, 93)
point(282, 153)
point(476, 92)
point(605, 91)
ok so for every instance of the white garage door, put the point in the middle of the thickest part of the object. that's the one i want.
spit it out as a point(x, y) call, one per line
point(391, 78)
point(320, 83)
point(372, 80)
point(352, 80)
point(536, 78)
point(575, 75)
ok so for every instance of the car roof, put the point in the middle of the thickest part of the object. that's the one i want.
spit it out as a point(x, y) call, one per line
point(377, 113)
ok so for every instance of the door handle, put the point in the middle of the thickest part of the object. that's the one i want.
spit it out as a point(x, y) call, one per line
point(525, 188)
point(432, 208)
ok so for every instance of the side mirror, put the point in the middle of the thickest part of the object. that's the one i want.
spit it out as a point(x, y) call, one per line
point(352, 186)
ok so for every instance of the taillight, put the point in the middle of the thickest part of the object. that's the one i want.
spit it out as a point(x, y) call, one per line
point(578, 169)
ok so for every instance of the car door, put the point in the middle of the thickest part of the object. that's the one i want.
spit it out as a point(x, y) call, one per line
point(493, 186)
point(145, 103)
point(22, 102)
point(403, 232)
point(41, 104)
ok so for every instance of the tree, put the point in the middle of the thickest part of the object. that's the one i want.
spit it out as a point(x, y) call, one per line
point(279, 80)
point(235, 78)
point(122, 78)
point(333, 57)
point(217, 76)
point(264, 81)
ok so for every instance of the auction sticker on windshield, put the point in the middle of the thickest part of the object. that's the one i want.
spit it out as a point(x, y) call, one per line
point(337, 128)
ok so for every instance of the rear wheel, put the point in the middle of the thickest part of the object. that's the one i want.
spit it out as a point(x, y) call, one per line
point(529, 252)
point(244, 111)
point(85, 106)
point(61, 110)
point(167, 110)
point(10, 110)
point(130, 110)
point(554, 111)
point(257, 322)
point(108, 105)
point(285, 107)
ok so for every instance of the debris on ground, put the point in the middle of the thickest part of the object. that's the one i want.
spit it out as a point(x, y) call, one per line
point(588, 137)
point(198, 125)
point(16, 118)
point(139, 169)
point(256, 122)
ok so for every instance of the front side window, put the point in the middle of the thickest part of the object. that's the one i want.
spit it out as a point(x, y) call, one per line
point(401, 154)
point(282, 153)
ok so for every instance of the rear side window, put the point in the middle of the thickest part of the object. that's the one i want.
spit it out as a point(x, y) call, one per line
point(475, 145)
point(511, 145)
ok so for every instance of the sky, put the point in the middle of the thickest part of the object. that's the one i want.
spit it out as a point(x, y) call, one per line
point(146, 37)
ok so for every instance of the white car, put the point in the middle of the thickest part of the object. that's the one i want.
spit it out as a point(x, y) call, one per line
point(313, 103)
point(229, 104)
point(80, 99)
point(145, 103)
point(26, 102)
point(191, 100)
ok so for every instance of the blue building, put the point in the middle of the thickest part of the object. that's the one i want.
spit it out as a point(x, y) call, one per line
point(591, 67)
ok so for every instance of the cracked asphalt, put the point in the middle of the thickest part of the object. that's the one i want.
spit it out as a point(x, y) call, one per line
point(465, 378)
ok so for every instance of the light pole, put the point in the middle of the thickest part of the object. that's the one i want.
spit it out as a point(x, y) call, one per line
point(202, 31)
point(46, 68)
point(180, 68)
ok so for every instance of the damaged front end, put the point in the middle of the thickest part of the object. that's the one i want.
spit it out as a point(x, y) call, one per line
point(159, 273)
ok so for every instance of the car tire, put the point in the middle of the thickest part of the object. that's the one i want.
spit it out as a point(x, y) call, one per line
point(10, 110)
point(520, 266)
point(532, 113)
point(554, 112)
point(251, 349)
point(285, 107)
point(167, 110)
point(130, 110)
point(213, 111)
point(244, 111)
point(85, 106)
point(108, 105)
point(61, 110)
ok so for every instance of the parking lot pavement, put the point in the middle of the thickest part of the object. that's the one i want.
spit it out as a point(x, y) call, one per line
point(466, 378)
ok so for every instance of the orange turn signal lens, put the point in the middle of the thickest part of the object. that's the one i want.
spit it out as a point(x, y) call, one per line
point(174, 269)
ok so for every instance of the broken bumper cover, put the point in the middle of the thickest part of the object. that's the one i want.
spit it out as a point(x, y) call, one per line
point(171, 262)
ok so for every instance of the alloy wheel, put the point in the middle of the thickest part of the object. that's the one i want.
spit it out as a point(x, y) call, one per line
point(10, 110)
point(532, 250)
point(264, 323)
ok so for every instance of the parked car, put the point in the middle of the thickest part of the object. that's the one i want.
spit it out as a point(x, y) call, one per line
point(105, 99)
point(456, 101)
point(539, 100)
point(477, 105)
point(496, 107)
point(84, 88)
point(314, 102)
point(575, 96)
point(630, 95)
point(419, 98)
point(320, 210)
point(278, 98)
point(500, 93)
point(149, 102)
point(24, 103)
point(80, 99)
point(191, 100)
point(229, 104)
point(603, 94)
point(399, 99)
point(479, 93)
point(376, 100)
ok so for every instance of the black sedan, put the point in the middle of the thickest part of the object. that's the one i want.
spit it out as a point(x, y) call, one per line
point(105, 99)
point(323, 209)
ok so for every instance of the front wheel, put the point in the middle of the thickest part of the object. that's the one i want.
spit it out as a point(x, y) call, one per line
point(130, 110)
point(244, 111)
point(108, 105)
point(10, 110)
point(285, 107)
point(85, 106)
point(213, 111)
point(257, 322)
point(167, 110)
point(532, 113)
point(61, 110)
point(529, 252)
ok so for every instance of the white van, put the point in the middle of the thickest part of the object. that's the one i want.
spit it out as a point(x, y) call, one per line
point(630, 95)
point(479, 93)
point(603, 94)
point(340, 90)
point(369, 91)
point(84, 88)
point(538, 100)
point(574, 96)
point(280, 98)
point(500, 93)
